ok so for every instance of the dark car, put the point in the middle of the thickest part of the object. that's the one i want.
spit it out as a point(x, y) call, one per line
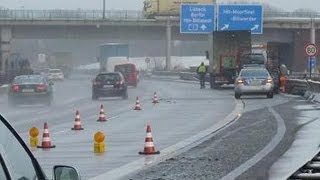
point(109, 85)
point(30, 89)
point(18, 162)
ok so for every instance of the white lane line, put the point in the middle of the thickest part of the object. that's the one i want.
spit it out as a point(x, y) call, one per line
point(281, 130)
point(173, 150)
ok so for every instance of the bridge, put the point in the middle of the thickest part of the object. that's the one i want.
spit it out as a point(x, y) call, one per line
point(132, 27)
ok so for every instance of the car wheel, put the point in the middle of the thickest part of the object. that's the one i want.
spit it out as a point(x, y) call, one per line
point(237, 95)
point(125, 95)
point(270, 95)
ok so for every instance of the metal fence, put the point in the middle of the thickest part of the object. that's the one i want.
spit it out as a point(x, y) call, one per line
point(8, 14)
point(69, 15)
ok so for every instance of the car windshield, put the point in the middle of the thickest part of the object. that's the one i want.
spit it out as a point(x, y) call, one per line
point(248, 73)
point(108, 77)
point(14, 157)
point(253, 59)
point(28, 80)
point(129, 68)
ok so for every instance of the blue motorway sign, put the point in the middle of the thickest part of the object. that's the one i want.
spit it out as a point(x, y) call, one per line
point(313, 62)
point(197, 18)
point(240, 17)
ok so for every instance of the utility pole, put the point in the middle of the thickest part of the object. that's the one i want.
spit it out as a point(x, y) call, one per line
point(104, 10)
point(312, 41)
point(211, 51)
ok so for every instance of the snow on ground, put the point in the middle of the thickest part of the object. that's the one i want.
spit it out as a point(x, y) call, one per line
point(177, 63)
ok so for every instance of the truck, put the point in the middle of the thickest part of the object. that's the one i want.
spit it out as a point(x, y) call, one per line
point(112, 53)
point(229, 47)
point(276, 54)
point(63, 61)
point(154, 8)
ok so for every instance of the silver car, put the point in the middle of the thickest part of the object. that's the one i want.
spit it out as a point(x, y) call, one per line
point(256, 81)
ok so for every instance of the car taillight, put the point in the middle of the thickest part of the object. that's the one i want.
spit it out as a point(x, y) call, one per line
point(41, 87)
point(96, 83)
point(268, 81)
point(119, 82)
point(15, 88)
point(239, 81)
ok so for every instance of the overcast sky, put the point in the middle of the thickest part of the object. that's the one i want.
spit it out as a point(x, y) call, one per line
point(131, 4)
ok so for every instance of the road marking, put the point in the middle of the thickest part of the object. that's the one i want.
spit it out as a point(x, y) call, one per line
point(281, 130)
point(173, 150)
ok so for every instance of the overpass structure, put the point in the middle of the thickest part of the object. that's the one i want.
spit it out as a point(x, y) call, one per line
point(284, 27)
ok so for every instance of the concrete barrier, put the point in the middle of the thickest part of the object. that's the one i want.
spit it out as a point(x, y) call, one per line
point(166, 73)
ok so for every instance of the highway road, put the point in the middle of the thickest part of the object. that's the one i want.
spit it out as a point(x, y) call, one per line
point(184, 111)
point(259, 138)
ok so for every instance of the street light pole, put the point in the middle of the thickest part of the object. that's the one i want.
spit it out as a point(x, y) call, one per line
point(104, 10)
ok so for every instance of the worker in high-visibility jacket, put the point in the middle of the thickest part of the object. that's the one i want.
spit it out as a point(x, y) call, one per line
point(283, 83)
point(202, 71)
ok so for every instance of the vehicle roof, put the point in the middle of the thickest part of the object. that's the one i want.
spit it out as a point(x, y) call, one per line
point(131, 64)
point(246, 66)
point(254, 69)
point(107, 73)
point(30, 76)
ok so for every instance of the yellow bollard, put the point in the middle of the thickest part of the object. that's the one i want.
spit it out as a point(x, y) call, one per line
point(34, 132)
point(99, 144)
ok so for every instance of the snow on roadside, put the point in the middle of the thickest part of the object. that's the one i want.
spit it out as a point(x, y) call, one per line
point(177, 63)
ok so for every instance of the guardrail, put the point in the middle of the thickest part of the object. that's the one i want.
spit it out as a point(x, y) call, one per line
point(70, 15)
point(60, 14)
point(310, 170)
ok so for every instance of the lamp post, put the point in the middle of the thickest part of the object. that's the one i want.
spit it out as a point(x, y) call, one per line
point(104, 10)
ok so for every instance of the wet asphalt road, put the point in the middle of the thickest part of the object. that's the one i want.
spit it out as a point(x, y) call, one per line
point(184, 111)
point(244, 150)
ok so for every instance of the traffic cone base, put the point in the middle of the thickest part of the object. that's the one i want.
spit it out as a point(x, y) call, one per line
point(155, 98)
point(137, 106)
point(149, 153)
point(46, 147)
point(77, 129)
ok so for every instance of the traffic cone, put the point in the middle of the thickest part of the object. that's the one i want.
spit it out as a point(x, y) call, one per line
point(46, 142)
point(102, 116)
point(77, 122)
point(149, 148)
point(137, 107)
point(155, 98)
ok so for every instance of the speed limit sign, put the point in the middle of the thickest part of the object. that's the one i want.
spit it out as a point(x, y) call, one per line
point(311, 50)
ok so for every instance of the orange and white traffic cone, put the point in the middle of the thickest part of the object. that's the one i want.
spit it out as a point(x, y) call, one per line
point(149, 148)
point(102, 116)
point(46, 142)
point(155, 98)
point(138, 106)
point(77, 122)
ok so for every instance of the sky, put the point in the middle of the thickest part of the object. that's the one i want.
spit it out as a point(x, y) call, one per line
point(132, 4)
